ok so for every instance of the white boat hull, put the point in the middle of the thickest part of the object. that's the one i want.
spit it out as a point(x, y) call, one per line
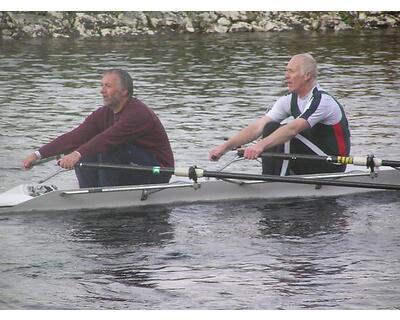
point(141, 197)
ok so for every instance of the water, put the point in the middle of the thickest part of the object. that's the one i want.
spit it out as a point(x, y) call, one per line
point(339, 253)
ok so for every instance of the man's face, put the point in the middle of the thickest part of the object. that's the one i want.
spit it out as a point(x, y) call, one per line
point(295, 79)
point(112, 91)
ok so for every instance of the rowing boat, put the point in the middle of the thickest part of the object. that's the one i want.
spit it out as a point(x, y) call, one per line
point(206, 187)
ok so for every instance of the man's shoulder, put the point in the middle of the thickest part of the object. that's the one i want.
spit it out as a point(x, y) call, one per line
point(319, 90)
point(135, 103)
point(101, 110)
point(327, 98)
point(286, 98)
point(136, 109)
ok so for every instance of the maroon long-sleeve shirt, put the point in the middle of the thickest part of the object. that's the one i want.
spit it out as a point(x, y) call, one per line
point(103, 129)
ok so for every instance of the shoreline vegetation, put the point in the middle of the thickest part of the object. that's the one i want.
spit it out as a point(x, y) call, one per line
point(65, 24)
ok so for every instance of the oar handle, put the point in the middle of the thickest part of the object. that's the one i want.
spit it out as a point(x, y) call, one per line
point(42, 161)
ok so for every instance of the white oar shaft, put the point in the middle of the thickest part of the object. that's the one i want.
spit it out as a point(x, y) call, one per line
point(363, 161)
point(186, 172)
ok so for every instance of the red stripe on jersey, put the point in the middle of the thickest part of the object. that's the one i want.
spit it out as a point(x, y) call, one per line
point(341, 143)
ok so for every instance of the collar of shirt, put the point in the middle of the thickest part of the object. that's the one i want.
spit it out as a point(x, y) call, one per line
point(305, 101)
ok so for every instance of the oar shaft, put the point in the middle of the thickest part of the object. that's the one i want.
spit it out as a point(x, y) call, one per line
point(358, 161)
point(52, 175)
point(391, 163)
point(191, 172)
point(195, 173)
point(295, 156)
point(298, 180)
point(154, 170)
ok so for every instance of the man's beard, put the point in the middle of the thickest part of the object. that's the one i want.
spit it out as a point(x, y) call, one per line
point(112, 103)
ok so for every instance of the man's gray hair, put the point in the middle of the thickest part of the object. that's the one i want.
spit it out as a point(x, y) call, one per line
point(125, 78)
point(309, 65)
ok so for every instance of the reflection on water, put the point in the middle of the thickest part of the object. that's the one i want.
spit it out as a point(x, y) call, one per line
point(308, 218)
point(114, 229)
point(121, 235)
point(306, 233)
point(337, 253)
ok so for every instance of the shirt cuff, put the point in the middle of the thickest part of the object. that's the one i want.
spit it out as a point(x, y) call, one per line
point(38, 155)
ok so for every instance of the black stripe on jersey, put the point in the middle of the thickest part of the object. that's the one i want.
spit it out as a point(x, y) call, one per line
point(314, 105)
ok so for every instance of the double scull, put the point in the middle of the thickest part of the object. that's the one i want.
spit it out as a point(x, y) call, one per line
point(198, 186)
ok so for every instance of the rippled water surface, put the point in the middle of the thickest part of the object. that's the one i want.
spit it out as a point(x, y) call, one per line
point(339, 253)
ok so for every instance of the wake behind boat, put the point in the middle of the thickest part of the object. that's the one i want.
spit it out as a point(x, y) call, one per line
point(202, 187)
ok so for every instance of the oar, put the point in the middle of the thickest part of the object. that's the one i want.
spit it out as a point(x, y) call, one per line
point(38, 162)
point(194, 173)
point(369, 161)
point(42, 161)
point(51, 175)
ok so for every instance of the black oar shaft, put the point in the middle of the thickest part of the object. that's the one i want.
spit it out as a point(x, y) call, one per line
point(391, 163)
point(198, 173)
point(298, 180)
point(294, 156)
point(154, 170)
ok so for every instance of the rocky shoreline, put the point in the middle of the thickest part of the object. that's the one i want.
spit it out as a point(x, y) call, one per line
point(46, 24)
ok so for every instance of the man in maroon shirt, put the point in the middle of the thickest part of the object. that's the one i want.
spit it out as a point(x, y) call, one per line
point(123, 131)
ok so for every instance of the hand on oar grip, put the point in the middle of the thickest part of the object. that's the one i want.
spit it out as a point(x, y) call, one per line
point(70, 160)
point(30, 161)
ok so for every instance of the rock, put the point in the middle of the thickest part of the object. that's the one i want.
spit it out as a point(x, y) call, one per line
point(269, 26)
point(136, 20)
point(188, 25)
point(84, 22)
point(233, 16)
point(241, 27)
point(215, 28)
point(341, 26)
point(223, 21)
point(362, 16)
point(206, 19)
point(315, 25)
point(390, 21)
